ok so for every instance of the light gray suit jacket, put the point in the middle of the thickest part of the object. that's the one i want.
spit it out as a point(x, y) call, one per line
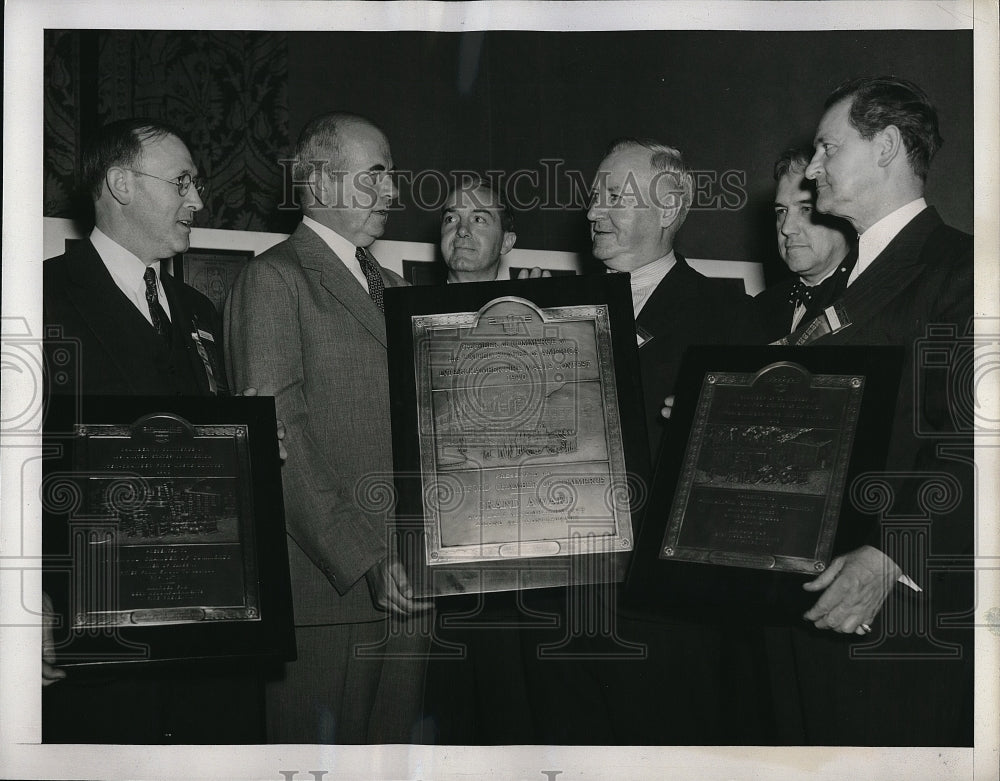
point(300, 327)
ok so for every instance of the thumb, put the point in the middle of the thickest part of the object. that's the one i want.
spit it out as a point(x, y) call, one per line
point(826, 577)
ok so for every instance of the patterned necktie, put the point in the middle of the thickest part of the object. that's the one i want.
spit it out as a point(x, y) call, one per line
point(375, 285)
point(160, 320)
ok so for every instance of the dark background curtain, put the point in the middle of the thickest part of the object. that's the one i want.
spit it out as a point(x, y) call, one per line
point(542, 103)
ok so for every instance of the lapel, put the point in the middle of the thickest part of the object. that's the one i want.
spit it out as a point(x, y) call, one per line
point(670, 300)
point(887, 278)
point(891, 272)
point(117, 325)
point(184, 322)
point(318, 260)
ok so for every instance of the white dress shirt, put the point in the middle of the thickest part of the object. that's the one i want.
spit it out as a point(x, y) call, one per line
point(646, 278)
point(877, 237)
point(341, 247)
point(127, 271)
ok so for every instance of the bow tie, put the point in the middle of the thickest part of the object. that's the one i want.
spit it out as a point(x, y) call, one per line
point(801, 293)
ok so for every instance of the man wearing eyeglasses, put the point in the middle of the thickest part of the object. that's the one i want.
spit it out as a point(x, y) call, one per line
point(140, 331)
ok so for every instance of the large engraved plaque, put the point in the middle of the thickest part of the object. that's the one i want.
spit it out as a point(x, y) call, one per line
point(520, 440)
point(764, 471)
point(163, 530)
point(180, 544)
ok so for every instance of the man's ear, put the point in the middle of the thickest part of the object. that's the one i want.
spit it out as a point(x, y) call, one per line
point(671, 210)
point(118, 184)
point(890, 145)
point(315, 184)
point(509, 237)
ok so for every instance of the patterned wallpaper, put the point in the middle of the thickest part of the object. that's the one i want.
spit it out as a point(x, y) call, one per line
point(226, 90)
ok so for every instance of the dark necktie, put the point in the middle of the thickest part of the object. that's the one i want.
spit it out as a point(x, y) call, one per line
point(160, 320)
point(370, 268)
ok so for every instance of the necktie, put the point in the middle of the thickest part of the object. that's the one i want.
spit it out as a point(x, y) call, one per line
point(375, 285)
point(160, 320)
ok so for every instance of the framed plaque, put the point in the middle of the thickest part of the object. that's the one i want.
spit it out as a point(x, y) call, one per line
point(164, 530)
point(211, 271)
point(515, 417)
point(755, 471)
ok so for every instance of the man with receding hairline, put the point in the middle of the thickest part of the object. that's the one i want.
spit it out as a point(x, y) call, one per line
point(910, 683)
point(304, 322)
point(139, 332)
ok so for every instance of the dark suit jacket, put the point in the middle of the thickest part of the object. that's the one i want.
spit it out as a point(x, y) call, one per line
point(300, 327)
point(775, 310)
point(97, 342)
point(922, 279)
point(82, 300)
point(687, 308)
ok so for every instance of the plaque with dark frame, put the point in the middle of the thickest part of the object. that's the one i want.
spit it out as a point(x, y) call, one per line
point(750, 493)
point(164, 535)
point(517, 437)
point(211, 271)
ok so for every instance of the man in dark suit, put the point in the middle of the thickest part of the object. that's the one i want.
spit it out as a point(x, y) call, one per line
point(139, 332)
point(304, 322)
point(641, 195)
point(814, 246)
point(910, 683)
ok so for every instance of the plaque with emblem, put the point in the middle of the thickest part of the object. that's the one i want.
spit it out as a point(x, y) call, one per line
point(164, 530)
point(756, 470)
point(515, 425)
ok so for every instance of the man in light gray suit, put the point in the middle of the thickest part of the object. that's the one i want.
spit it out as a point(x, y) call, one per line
point(304, 322)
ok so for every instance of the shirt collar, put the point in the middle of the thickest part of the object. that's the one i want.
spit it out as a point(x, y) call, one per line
point(653, 273)
point(341, 247)
point(877, 237)
point(121, 263)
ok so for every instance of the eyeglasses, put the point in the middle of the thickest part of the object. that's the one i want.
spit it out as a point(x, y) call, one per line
point(182, 182)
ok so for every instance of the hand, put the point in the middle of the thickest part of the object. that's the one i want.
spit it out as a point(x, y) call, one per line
point(390, 588)
point(279, 429)
point(668, 407)
point(534, 273)
point(50, 673)
point(854, 587)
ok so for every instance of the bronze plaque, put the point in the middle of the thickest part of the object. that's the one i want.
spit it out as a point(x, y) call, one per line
point(520, 441)
point(764, 471)
point(176, 519)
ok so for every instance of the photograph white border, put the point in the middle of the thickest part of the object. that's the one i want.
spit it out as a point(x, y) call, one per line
point(20, 754)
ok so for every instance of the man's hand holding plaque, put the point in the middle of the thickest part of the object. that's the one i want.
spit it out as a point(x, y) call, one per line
point(854, 587)
point(390, 588)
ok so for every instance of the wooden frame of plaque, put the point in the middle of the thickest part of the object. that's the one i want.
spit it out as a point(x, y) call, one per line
point(516, 433)
point(164, 533)
point(754, 473)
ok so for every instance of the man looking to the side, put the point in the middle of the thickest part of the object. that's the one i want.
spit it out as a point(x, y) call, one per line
point(305, 322)
point(814, 246)
point(139, 332)
point(911, 287)
point(641, 196)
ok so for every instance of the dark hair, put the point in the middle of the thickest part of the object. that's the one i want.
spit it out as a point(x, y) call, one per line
point(320, 141)
point(793, 160)
point(476, 182)
point(119, 143)
point(880, 101)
